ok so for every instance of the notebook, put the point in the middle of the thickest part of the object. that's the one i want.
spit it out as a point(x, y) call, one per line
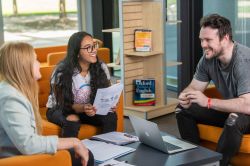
point(117, 138)
point(103, 151)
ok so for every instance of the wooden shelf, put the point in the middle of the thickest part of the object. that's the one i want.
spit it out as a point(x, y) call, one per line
point(173, 63)
point(173, 21)
point(142, 54)
point(111, 30)
point(170, 101)
point(113, 65)
point(149, 112)
point(146, 14)
point(144, 108)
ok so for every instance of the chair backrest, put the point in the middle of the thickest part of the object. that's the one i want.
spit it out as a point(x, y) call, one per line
point(104, 54)
point(44, 85)
point(55, 57)
point(44, 51)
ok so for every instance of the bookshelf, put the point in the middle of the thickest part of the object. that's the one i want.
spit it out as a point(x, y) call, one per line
point(146, 14)
point(142, 54)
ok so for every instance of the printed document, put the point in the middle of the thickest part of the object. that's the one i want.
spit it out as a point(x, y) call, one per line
point(106, 98)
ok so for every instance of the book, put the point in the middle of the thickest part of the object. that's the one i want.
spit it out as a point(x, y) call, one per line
point(117, 138)
point(103, 151)
point(143, 40)
point(144, 92)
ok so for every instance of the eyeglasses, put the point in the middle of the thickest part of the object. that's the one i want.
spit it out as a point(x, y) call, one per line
point(90, 48)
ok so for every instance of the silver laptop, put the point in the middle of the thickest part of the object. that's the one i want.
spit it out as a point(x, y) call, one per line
point(149, 134)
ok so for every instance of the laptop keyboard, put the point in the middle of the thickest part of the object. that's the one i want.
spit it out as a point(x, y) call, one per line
point(171, 147)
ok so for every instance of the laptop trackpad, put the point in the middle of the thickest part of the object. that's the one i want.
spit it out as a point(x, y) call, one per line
point(177, 142)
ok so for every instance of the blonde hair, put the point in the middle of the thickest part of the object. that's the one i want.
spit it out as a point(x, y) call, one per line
point(16, 68)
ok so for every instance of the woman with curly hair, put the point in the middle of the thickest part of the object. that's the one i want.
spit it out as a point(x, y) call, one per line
point(74, 85)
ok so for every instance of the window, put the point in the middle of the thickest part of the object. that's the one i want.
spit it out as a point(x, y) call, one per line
point(237, 11)
point(39, 22)
point(171, 43)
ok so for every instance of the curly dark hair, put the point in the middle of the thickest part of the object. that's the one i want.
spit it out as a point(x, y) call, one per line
point(65, 70)
point(215, 21)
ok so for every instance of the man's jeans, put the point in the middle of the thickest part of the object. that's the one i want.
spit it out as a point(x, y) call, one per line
point(234, 124)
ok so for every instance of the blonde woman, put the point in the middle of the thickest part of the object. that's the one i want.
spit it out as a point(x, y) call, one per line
point(20, 121)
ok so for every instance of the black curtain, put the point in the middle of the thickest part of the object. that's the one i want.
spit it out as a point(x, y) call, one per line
point(102, 12)
point(189, 49)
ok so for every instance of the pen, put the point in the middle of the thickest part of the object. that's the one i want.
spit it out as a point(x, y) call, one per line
point(128, 135)
point(116, 163)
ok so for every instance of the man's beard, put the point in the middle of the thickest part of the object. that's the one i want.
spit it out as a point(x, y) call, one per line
point(215, 55)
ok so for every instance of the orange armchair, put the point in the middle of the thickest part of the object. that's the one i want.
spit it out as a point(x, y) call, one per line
point(210, 135)
point(61, 158)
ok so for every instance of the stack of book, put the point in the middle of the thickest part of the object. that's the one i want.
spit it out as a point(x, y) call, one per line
point(143, 40)
point(144, 92)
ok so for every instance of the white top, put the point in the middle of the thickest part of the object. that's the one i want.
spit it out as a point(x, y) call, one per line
point(80, 88)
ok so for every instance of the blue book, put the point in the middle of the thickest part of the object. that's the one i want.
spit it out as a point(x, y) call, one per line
point(144, 92)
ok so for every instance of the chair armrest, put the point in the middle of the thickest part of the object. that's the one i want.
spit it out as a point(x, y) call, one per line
point(61, 158)
point(50, 128)
point(212, 92)
point(120, 125)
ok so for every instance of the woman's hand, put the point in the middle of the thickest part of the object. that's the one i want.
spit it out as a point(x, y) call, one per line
point(82, 152)
point(79, 149)
point(78, 108)
point(89, 109)
point(114, 109)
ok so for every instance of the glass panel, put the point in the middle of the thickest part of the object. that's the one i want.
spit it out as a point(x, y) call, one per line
point(237, 11)
point(171, 43)
point(39, 22)
point(116, 39)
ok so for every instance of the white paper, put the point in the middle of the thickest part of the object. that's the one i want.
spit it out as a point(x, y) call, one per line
point(106, 98)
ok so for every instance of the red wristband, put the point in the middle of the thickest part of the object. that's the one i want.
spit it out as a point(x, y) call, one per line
point(209, 103)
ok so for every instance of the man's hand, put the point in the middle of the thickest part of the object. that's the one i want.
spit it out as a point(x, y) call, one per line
point(184, 100)
point(197, 97)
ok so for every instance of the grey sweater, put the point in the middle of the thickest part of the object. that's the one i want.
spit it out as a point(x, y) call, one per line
point(18, 133)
